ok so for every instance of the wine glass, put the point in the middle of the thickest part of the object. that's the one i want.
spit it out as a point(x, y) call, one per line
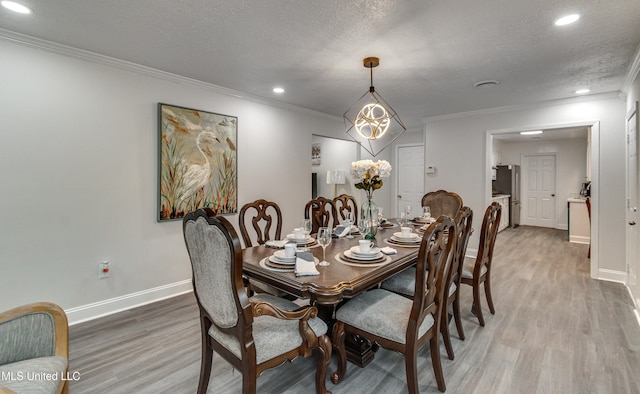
point(349, 221)
point(306, 230)
point(407, 210)
point(403, 218)
point(363, 227)
point(426, 213)
point(324, 239)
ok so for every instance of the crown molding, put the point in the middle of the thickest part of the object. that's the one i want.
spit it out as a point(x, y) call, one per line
point(92, 57)
point(520, 107)
point(634, 70)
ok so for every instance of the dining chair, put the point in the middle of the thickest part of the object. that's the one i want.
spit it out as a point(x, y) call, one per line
point(404, 282)
point(345, 203)
point(252, 334)
point(264, 218)
point(34, 349)
point(266, 222)
point(322, 213)
point(399, 323)
point(442, 202)
point(481, 271)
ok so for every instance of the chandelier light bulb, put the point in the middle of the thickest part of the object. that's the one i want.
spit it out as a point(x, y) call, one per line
point(372, 121)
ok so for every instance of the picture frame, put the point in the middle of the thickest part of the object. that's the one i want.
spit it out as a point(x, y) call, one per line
point(316, 157)
point(197, 162)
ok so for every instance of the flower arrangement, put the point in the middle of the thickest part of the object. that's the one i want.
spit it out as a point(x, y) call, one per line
point(370, 174)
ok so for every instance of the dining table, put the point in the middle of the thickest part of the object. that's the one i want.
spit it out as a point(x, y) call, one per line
point(338, 281)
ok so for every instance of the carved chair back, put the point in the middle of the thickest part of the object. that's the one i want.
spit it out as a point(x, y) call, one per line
point(266, 222)
point(322, 213)
point(345, 203)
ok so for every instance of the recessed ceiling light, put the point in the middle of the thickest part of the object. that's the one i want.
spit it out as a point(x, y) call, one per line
point(486, 84)
point(278, 90)
point(566, 20)
point(15, 7)
point(582, 91)
point(534, 132)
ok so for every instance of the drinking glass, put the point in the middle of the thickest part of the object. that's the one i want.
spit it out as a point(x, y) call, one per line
point(324, 239)
point(407, 210)
point(403, 218)
point(426, 212)
point(363, 227)
point(306, 227)
point(349, 222)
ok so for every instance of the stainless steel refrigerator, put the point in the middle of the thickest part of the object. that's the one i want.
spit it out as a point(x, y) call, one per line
point(508, 182)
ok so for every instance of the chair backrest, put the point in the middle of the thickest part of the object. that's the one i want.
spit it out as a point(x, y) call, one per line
point(442, 202)
point(489, 231)
point(216, 260)
point(464, 220)
point(345, 203)
point(266, 222)
point(432, 269)
point(322, 213)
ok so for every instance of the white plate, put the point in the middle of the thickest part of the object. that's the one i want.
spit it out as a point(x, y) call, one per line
point(425, 221)
point(413, 237)
point(405, 240)
point(299, 240)
point(355, 250)
point(276, 260)
point(360, 257)
point(281, 255)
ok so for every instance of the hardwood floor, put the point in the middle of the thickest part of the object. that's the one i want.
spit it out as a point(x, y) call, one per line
point(555, 330)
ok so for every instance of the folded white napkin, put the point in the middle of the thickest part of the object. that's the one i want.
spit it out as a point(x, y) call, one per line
point(305, 264)
point(277, 244)
point(388, 250)
point(341, 231)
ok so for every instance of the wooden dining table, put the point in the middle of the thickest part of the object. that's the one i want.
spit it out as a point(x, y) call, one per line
point(336, 282)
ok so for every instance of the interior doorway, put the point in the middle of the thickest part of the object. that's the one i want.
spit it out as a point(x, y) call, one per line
point(592, 155)
point(410, 181)
point(539, 191)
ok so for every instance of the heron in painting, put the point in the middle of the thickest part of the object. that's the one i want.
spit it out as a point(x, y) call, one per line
point(198, 175)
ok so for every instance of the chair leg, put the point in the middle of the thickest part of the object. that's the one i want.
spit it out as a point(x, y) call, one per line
point(205, 367)
point(411, 367)
point(324, 359)
point(476, 303)
point(435, 362)
point(487, 292)
point(458, 318)
point(339, 335)
point(249, 379)
point(446, 336)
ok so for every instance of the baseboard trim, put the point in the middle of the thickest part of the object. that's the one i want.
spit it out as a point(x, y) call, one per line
point(95, 310)
point(580, 239)
point(635, 302)
point(612, 276)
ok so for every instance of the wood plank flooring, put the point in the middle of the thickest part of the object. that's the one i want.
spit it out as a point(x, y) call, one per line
point(555, 330)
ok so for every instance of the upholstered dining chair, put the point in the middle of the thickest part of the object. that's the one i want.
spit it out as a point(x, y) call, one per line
point(266, 222)
point(261, 220)
point(252, 334)
point(322, 213)
point(345, 203)
point(442, 202)
point(398, 323)
point(481, 271)
point(34, 339)
point(404, 282)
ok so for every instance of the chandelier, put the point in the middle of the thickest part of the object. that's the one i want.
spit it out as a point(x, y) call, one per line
point(371, 121)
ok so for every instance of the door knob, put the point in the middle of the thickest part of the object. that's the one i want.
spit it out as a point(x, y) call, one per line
point(632, 223)
point(399, 195)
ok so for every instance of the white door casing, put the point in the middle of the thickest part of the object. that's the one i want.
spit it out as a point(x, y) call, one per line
point(632, 232)
point(410, 170)
point(539, 189)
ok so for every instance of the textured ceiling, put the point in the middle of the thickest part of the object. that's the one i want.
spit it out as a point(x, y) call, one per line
point(432, 52)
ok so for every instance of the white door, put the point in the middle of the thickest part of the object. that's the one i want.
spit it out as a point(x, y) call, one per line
point(633, 235)
point(539, 199)
point(410, 164)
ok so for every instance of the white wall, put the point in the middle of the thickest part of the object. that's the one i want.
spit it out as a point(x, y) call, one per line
point(571, 167)
point(336, 155)
point(79, 176)
point(457, 145)
point(634, 235)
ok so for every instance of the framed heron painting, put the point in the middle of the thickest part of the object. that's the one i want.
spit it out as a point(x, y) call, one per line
point(198, 162)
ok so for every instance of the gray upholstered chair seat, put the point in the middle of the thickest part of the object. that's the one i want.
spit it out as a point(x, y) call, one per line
point(405, 283)
point(382, 313)
point(271, 335)
point(466, 273)
point(35, 375)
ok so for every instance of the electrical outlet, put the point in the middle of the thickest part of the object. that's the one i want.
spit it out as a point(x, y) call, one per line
point(104, 270)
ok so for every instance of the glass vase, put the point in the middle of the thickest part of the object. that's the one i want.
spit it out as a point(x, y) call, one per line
point(369, 213)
